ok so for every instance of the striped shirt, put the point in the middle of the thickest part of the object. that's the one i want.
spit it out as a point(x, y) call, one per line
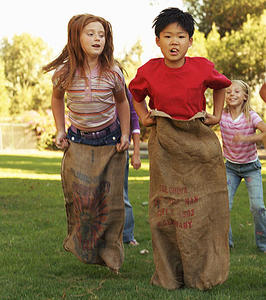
point(91, 102)
point(241, 152)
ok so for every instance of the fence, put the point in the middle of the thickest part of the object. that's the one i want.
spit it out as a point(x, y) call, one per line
point(16, 137)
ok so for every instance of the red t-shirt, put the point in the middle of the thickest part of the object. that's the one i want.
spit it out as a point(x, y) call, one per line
point(178, 92)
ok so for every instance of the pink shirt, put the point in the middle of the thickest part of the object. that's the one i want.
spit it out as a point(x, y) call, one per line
point(241, 152)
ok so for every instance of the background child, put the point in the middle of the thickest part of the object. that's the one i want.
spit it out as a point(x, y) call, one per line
point(238, 127)
point(189, 220)
point(91, 168)
point(263, 92)
point(128, 233)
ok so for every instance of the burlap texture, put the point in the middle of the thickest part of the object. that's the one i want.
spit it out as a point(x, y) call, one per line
point(92, 179)
point(188, 206)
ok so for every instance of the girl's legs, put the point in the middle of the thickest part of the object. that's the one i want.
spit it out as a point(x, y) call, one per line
point(254, 185)
point(233, 181)
point(128, 233)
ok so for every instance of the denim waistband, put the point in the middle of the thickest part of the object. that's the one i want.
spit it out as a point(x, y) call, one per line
point(97, 134)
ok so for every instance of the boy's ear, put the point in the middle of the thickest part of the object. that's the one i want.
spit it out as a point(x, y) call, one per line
point(190, 42)
point(157, 41)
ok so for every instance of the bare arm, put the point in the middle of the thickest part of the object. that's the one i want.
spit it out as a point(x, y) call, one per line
point(58, 109)
point(123, 111)
point(218, 104)
point(143, 113)
point(135, 159)
point(263, 92)
point(253, 138)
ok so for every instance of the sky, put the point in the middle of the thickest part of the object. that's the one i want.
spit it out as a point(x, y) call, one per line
point(131, 20)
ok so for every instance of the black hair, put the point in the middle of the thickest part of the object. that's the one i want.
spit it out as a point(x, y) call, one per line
point(173, 15)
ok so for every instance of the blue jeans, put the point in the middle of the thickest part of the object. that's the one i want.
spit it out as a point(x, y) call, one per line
point(251, 173)
point(107, 136)
point(128, 233)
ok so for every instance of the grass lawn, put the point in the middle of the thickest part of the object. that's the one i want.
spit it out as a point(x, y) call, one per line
point(33, 264)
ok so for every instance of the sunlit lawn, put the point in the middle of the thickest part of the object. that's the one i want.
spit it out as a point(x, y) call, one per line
point(33, 264)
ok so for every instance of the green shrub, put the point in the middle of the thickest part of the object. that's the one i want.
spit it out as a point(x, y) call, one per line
point(43, 126)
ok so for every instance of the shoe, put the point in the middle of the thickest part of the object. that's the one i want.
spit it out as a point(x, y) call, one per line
point(133, 243)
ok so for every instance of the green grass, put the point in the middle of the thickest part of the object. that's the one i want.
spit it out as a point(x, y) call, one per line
point(33, 264)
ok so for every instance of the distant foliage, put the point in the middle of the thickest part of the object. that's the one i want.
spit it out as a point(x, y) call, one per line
point(242, 53)
point(28, 88)
point(226, 14)
point(4, 99)
point(42, 123)
point(131, 60)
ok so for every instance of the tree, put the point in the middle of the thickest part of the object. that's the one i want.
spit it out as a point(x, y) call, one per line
point(241, 54)
point(132, 60)
point(226, 14)
point(198, 47)
point(23, 59)
point(4, 99)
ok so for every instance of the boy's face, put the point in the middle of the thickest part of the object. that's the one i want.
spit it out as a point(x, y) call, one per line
point(174, 42)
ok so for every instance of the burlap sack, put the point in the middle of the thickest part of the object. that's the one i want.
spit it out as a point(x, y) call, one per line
point(92, 179)
point(188, 207)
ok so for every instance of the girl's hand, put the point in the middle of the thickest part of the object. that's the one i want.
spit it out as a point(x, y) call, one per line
point(147, 120)
point(124, 144)
point(135, 161)
point(211, 119)
point(240, 138)
point(61, 141)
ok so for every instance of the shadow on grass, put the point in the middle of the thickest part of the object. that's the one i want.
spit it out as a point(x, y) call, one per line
point(48, 165)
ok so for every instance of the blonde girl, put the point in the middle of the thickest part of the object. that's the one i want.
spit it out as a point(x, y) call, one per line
point(238, 128)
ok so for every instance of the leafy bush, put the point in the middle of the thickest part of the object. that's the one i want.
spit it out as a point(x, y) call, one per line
point(43, 126)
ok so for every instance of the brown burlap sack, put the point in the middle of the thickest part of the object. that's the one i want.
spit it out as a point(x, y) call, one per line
point(92, 179)
point(188, 207)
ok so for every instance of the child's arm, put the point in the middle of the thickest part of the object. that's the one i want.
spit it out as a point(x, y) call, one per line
point(218, 104)
point(253, 138)
point(143, 113)
point(263, 92)
point(135, 159)
point(58, 109)
point(122, 108)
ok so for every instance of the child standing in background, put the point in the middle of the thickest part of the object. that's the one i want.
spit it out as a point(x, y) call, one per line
point(238, 127)
point(94, 161)
point(128, 233)
point(263, 92)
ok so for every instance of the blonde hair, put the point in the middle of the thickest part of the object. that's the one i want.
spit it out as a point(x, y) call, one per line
point(246, 104)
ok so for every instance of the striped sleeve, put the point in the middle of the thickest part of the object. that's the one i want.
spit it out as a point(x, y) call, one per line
point(255, 118)
point(119, 80)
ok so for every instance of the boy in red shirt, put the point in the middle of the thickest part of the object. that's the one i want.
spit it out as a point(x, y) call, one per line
point(188, 206)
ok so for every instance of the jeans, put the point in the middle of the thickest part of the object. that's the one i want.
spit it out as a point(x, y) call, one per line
point(251, 173)
point(128, 233)
point(111, 137)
